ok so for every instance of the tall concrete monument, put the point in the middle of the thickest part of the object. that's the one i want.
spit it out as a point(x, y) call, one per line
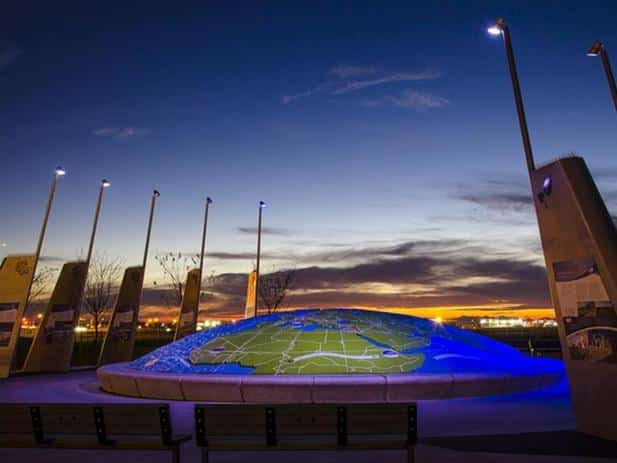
point(580, 249)
point(579, 241)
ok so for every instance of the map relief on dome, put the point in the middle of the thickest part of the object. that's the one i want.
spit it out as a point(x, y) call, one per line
point(335, 341)
point(316, 343)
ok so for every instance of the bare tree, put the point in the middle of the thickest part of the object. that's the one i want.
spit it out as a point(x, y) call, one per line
point(175, 266)
point(103, 277)
point(41, 282)
point(274, 287)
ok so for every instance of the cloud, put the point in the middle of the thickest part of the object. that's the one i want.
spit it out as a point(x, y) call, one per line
point(265, 231)
point(347, 80)
point(232, 255)
point(8, 54)
point(121, 133)
point(519, 202)
point(409, 99)
point(413, 281)
point(343, 71)
point(286, 99)
point(503, 196)
point(407, 274)
point(399, 77)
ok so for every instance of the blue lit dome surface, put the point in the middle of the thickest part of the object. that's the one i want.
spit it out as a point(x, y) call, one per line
point(339, 342)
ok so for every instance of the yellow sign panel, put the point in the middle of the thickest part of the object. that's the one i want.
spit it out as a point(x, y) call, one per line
point(187, 321)
point(120, 338)
point(15, 276)
point(52, 347)
point(251, 296)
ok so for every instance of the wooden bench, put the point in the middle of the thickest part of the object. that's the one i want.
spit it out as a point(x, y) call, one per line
point(89, 426)
point(306, 427)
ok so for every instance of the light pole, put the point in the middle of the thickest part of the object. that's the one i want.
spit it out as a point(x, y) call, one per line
point(597, 49)
point(58, 172)
point(203, 249)
point(104, 184)
point(262, 205)
point(501, 28)
point(155, 194)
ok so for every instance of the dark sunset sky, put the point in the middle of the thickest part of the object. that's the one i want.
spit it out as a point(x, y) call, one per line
point(382, 135)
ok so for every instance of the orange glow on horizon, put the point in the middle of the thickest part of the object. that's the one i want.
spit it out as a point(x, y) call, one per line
point(445, 313)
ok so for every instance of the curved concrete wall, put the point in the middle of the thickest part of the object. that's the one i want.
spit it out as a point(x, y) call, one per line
point(122, 380)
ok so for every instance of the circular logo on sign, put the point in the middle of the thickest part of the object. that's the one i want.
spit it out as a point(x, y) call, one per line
point(22, 268)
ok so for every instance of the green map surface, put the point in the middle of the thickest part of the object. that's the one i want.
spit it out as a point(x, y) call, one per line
point(318, 342)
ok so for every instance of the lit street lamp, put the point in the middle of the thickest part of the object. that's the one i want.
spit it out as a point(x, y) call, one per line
point(597, 49)
point(58, 172)
point(501, 28)
point(262, 205)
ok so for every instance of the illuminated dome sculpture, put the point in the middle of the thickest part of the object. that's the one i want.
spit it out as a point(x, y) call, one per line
point(353, 345)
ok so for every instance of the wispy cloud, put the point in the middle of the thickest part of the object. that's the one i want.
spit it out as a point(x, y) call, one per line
point(286, 99)
point(8, 53)
point(409, 99)
point(265, 231)
point(356, 85)
point(121, 133)
point(345, 79)
point(503, 197)
point(344, 71)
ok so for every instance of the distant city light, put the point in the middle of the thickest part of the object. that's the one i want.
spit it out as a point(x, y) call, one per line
point(80, 329)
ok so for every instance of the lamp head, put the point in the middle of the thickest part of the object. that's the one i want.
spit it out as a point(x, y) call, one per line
point(497, 27)
point(59, 171)
point(105, 183)
point(595, 49)
point(262, 204)
point(208, 200)
point(155, 193)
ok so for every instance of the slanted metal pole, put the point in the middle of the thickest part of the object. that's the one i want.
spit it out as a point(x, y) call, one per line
point(155, 194)
point(37, 254)
point(261, 207)
point(203, 250)
point(518, 99)
point(609, 75)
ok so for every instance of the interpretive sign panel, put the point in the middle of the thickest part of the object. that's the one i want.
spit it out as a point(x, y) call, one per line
point(15, 276)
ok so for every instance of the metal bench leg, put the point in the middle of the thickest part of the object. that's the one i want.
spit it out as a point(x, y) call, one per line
point(411, 454)
point(175, 454)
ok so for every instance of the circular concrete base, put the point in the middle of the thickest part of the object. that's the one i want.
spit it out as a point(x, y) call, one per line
point(120, 379)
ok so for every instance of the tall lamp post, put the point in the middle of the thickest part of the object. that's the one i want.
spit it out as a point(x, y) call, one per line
point(155, 194)
point(501, 28)
point(104, 184)
point(203, 250)
point(58, 172)
point(597, 49)
point(262, 205)
point(97, 211)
